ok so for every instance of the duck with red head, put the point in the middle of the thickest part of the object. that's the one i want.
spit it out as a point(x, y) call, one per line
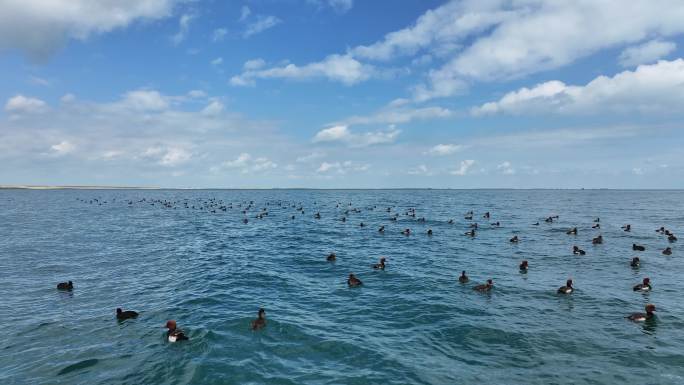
point(352, 281)
point(644, 286)
point(260, 322)
point(641, 317)
point(567, 289)
point(523, 266)
point(173, 333)
point(485, 287)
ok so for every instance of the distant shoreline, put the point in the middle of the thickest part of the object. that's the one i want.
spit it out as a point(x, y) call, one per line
point(40, 187)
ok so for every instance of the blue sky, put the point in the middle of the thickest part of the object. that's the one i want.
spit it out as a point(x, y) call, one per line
point(342, 93)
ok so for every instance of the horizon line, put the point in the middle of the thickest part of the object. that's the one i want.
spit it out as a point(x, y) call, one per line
point(105, 187)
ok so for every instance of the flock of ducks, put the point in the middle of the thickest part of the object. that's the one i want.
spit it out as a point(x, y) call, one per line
point(213, 205)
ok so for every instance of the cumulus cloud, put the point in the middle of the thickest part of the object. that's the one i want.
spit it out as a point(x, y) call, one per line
point(342, 167)
point(655, 88)
point(506, 168)
point(419, 170)
point(646, 53)
point(183, 28)
point(341, 133)
point(219, 34)
point(167, 156)
point(309, 157)
point(463, 169)
point(399, 112)
point(145, 100)
point(340, 68)
point(21, 104)
point(444, 149)
point(246, 163)
point(261, 24)
point(39, 28)
point(62, 148)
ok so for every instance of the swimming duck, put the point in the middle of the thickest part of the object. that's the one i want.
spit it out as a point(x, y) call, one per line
point(362, 224)
point(123, 315)
point(65, 286)
point(331, 257)
point(636, 247)
point(576, 250)
point(523, 266)
point(660, 230)
point(596, 226)
point(451, 221)
point(598, 240)
point(572, 231)
point(514, 239)
point(567, 289)
point(496, 224)
point(260, 322)
point(672, 238)
point(470, 233)
point(429, 232)
point(641, 317)
point(486, 215)
point(627, 227)
point(485, 287)
point(635, 262)
point(174, 334)
point(380, 265)
point(463, 278)
point(406, 232)
point(667, 251)
point(597, 220)
point(535, 224)
point(353, 281)
point(381, 229)
point(644, 286)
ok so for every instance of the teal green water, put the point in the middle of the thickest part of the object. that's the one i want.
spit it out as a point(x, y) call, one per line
point(410, 324)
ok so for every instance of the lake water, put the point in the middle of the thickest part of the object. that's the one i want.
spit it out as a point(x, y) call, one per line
point(410, 324)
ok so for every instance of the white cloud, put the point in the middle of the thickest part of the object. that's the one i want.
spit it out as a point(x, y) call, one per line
point(218, 61)
point(219, 34)
point(214, 108)
point(38, 81)
point(342, 167)
point(341, 6)
point(246, 163)
point(638, 171)
point(167, 156)
point(444, 149)
point(530, 36)
point(646, 53)
point(309, 157)
point(341, 133)
point(38, 28)
point(341, 68)
point(261, 24)
point(254, 64)
point(67, 98)
point(506, 168)
point(183, 28)
point(398, 112)
point(244, 13)
point(145, 100)
point(62, 148)
point(21, 104)
point(197, 94)
point(655, 88)
point(463, 169)
point(419, 170)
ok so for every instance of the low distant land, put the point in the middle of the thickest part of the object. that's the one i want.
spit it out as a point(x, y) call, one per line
point(37, 187)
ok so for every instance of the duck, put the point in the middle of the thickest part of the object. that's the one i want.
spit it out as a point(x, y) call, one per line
point(380, 265)
point(470, 233)
point(644, 286)
point(572, 231)
point(124, 315)
point(523, 266)
point(636, 262)
point(535, 224)
point(672, 238)
point(596, 226)
point(567, 289)
point(597, 220)
point(485, 287)
point(667, 251)
point(260, 321)
point(332, 257)
point(660, 230)
point(577, 251)
point(514, 239)
point(598, 240)
point(641, 317)
point(496, 224)
point(174, 334)
point(381, 229)
point(627, 227)
point(406, 232)
point(429, 232)
point(353, 281)
point(65, 286)
point(463, 278)
point(636, 247)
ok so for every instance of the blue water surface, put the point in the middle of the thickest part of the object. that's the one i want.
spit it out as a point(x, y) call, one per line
point(410, 324)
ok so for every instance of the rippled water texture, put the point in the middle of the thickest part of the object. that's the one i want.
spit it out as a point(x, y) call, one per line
point(410, 324)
